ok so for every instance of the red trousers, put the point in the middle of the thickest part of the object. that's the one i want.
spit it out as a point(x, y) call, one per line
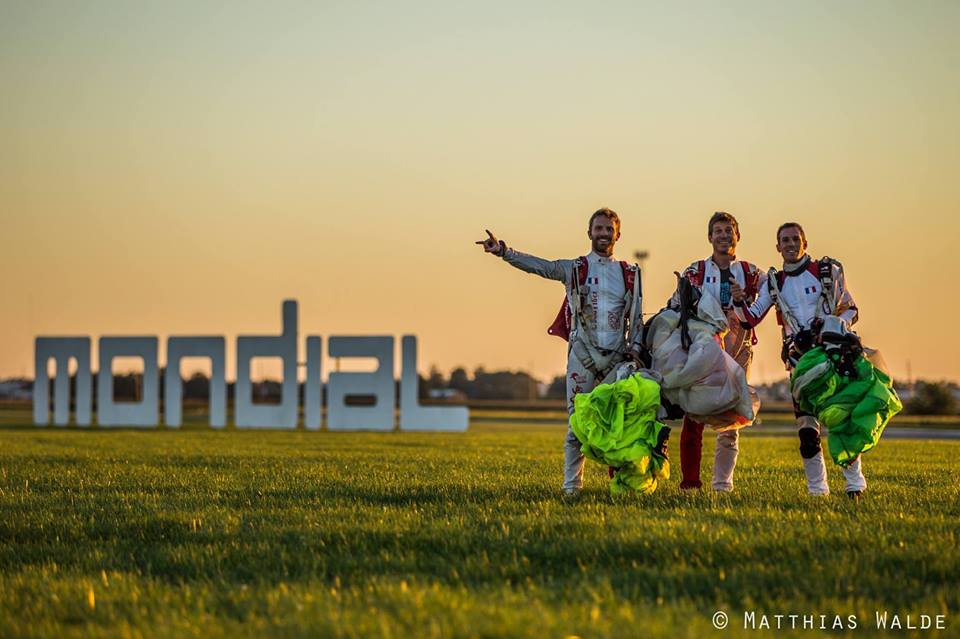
point(691, 451)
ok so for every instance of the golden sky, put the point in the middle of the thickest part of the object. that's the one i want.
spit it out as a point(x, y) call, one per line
point(180, 167)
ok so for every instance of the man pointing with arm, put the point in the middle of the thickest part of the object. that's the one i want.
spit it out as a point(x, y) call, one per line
point(601, 316)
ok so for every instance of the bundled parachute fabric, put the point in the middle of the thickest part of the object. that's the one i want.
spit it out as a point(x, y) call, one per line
point(704, 381)
point(855, 409)
point(617, 426)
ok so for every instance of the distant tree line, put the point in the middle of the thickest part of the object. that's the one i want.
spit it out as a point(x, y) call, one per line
point(515, 385)
point(931, 398)
point(503, 385)
point(922, 397)
point(482, 384)
point(127, 387)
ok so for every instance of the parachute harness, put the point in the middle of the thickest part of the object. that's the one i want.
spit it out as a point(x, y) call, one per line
point(601, 363)
point(800, 340)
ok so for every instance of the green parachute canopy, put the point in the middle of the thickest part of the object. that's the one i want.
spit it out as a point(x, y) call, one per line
point(855, 409)
point(617, 426)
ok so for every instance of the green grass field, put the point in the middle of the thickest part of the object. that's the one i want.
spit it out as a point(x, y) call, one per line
point(201, 533)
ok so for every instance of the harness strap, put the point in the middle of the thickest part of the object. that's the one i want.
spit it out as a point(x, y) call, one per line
point(636, 312)
point(576, 308)
point(701, 273)
point(599, 364)
point(751, 279)
point(825, 275)
point(773, 284)
point(582, 348)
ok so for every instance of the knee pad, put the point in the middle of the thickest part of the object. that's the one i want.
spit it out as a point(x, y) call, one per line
point(809, 443)
point(729, 439)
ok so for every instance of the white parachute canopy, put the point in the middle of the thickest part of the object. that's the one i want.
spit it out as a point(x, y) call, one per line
point(704, 381)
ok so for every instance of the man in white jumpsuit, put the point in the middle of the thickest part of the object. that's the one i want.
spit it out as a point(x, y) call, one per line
point(798, 293)
point(732, 282)
point(601, 317)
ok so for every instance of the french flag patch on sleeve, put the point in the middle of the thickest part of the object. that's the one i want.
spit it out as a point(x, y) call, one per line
point(593, 280)
point(810, 289)
point(711, 279)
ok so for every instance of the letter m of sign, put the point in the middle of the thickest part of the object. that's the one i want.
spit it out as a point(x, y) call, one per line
point(61, 350)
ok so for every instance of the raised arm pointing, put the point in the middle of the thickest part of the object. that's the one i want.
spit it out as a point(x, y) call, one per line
point(491, 244)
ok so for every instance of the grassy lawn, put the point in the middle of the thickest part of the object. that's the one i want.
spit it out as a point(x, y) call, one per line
point(202, 533)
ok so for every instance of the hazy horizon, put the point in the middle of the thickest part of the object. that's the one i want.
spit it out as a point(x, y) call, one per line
point(172, 168)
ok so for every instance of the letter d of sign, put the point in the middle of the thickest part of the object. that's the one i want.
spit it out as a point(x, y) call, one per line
point(283, 415)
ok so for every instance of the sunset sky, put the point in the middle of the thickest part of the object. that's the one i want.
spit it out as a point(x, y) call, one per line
point(183, 167)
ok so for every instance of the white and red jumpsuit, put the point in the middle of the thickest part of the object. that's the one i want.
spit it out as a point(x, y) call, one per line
point(738, 342)
point(801, 297)
point(608, 312)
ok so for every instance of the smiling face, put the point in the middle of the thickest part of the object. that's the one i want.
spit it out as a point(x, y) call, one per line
point(723, 238)
point(603, 234)
point(791, 244)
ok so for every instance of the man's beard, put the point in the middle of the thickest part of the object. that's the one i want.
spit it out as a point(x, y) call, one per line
point(603, 250)
point(731, 249)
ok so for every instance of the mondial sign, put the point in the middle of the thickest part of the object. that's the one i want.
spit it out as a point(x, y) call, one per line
point(146, 413)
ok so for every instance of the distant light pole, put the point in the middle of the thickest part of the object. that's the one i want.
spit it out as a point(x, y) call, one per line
point(641, 257)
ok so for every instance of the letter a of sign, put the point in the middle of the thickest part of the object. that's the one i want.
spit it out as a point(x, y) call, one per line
point(340, 415)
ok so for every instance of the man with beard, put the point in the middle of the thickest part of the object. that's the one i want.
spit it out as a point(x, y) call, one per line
point(806, 291)
point(601, 317)
point(732, 282)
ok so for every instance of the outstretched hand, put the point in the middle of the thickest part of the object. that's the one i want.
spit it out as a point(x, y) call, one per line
point(491, 244)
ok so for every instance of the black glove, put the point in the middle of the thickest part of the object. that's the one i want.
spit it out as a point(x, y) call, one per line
point(804, 340)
